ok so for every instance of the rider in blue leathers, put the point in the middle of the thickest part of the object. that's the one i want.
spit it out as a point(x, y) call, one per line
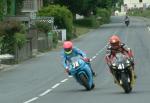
point(68, 52)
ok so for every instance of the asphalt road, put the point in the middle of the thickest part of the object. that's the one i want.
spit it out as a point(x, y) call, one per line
point(42, 79)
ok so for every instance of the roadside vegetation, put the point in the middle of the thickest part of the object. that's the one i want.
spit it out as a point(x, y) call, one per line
point(140, 12)
point(12, 36)
point(15, 35)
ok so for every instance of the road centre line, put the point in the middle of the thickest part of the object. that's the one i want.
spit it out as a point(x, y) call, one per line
point(70, 76)
point(56, 85)
point(98, 53)
point(31, 100)
point(46, 92)
point(64, 80)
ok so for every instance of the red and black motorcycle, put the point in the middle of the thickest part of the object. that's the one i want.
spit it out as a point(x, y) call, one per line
point(122, 70)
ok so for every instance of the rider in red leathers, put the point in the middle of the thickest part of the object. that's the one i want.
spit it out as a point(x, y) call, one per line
point(116, 46)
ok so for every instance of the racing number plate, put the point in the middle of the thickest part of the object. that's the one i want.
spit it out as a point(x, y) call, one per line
point(75, 64)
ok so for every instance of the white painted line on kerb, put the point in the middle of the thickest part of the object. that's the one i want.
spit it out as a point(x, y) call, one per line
point(56, 85)
point(31, 100)
point(64, 80)
point(46, 92)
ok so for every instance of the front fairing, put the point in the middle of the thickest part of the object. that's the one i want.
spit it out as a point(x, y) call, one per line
point(120, 64)
point(77, 66)
point(82, 69)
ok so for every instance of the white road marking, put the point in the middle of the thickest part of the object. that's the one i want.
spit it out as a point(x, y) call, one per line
point(64, 80)
point(148, 28)
point(56, 85)
point(46, 92)
point(69, 76)
point(94, 57)
point(31, 100)
point(98, 53)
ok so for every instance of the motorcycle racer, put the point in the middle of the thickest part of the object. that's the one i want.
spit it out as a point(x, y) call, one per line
point(69, 51)
point(116, 46)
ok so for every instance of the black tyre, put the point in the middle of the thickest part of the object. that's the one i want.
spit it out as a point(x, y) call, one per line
point(126, 86)
point(127, 23)
point(93, 86)
point(84, 81)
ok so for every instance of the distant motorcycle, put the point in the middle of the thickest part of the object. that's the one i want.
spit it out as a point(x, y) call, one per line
point(82, 73)
point(127, 22)
point(123, 72)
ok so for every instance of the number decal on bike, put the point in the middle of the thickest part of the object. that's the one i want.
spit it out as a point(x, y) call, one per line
point(121, 66)
point(75, 64)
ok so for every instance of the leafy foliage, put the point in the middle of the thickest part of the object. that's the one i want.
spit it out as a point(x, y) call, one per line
point(44, 27)
point(20, 39)
point(12, 34)
point(87, 22)
point(55, 39)
point(62, 16)
point(1, 10)
point(82, 7)
point(19, 5)
point(140, 12)
point(104, 14)
point(105, 3)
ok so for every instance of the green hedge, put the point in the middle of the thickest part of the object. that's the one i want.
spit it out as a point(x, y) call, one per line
point(55, 39)
point(104, 14)
point(43, 27)
point(139, 12)
point(63, 17)
point(12, 34)
point(87, 22)
point(1, 10)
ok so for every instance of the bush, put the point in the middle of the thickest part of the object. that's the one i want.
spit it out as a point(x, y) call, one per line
point(12, 34)
point(20, 40)
point(87, 22)
point(140, 12)
point(55, 39)
point(62, 16)
point(1, 10)
point(44, 27)
point(104, 14)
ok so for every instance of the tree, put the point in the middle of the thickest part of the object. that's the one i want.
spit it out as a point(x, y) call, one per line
point(47, 2)
point(62, 16)
point(1, 10)
point(105, 3)
point(12, 7)
point(82, 7)
point(19, 5)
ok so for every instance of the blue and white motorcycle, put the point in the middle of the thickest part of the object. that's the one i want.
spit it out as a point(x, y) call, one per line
point(81, 71)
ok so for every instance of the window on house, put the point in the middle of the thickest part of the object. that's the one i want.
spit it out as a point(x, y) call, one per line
point(140, 1)
point(28, 5)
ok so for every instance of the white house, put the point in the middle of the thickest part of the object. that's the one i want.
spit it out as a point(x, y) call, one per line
point(129, 4)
